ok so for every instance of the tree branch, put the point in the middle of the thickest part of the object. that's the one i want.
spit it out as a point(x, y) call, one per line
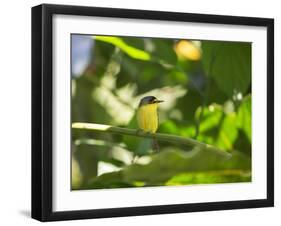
point(138, 133)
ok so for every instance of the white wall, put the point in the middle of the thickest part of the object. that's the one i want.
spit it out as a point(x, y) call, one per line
point(15, 102)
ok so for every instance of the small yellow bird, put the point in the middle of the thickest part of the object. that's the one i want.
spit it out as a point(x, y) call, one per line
point(147, 116)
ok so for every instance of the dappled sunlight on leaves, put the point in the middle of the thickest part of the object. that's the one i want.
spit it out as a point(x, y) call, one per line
point(206, 88)
point(113, 106)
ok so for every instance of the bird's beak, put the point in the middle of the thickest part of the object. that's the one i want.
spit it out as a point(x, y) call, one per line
point(159, 101)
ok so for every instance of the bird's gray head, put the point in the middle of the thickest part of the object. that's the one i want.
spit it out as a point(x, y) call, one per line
point(149, 100)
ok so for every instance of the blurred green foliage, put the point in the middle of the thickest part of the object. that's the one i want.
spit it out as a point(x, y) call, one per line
point(206, 86)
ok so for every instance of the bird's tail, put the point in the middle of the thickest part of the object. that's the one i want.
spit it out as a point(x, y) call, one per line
point(155, 145)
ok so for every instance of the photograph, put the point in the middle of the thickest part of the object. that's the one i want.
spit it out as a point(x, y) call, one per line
point(143, 112)
point(149, 111)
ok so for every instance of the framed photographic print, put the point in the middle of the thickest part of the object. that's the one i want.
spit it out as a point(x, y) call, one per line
point(146, 112)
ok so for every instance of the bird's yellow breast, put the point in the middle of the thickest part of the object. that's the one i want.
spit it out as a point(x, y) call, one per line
point(148, 118)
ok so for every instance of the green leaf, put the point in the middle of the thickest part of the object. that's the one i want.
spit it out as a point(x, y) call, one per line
point(171, 162)
point(228, 132)
point(108, 180)
point(218, 127)
point(129, 50)
point(210, 177)
point(245, 117)
point(211, 117)
point(229, 63)
point(177, 128)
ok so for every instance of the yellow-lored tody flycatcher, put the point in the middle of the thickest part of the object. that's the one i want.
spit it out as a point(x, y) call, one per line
point(147, 115)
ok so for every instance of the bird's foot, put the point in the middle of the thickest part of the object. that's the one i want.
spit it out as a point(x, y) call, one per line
point(139, 131)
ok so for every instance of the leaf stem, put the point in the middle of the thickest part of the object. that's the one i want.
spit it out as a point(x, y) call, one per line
point(205, 96)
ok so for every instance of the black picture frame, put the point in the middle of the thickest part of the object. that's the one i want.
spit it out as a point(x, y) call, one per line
point(42, 107)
